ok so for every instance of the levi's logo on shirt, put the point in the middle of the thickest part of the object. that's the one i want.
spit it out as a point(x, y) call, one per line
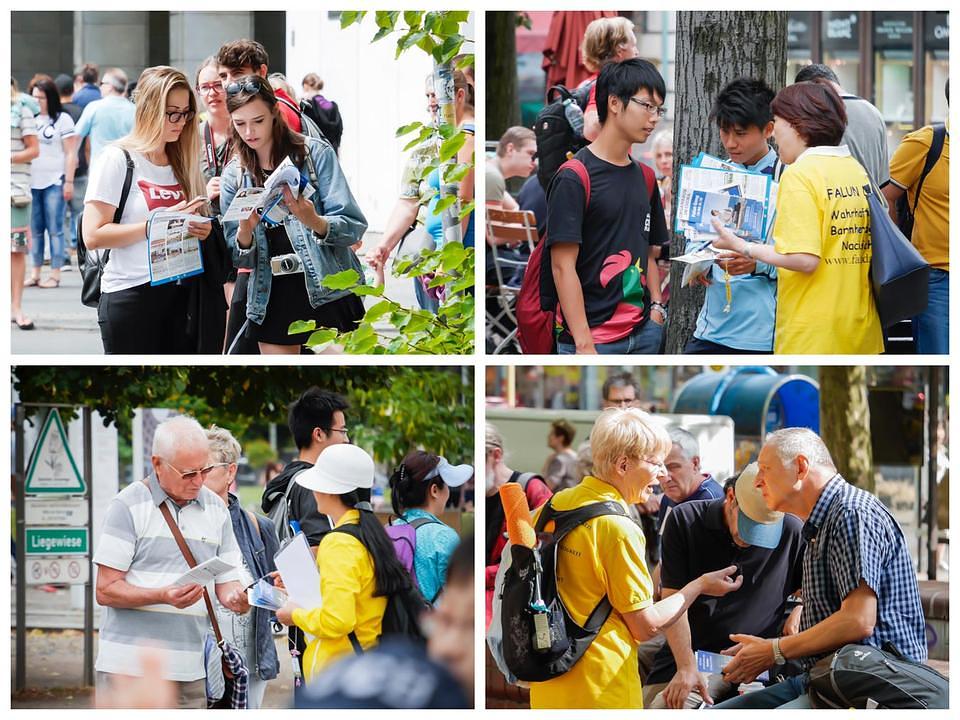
point(160, 196)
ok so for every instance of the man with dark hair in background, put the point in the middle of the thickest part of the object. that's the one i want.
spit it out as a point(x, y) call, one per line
point(866, 133)
point(86, 85)
point(316, 420)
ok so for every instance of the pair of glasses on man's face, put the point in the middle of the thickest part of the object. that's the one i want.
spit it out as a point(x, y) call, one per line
point(176, 116)
point(194, 474)
point(252, 87)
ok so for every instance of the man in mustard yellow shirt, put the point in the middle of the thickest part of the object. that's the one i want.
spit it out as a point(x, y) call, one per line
point(605, 557)
point(931, 226)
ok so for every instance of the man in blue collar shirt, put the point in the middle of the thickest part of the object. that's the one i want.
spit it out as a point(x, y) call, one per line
point(859, 583)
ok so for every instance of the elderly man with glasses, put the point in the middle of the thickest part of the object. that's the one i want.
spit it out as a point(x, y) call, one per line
point(139, 564)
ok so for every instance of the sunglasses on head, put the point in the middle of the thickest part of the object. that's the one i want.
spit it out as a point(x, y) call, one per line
point(248, 86)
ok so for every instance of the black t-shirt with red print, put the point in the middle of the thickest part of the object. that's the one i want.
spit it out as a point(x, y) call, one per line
point(615, 234)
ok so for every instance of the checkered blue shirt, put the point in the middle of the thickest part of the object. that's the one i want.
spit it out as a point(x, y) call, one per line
point(850, 536)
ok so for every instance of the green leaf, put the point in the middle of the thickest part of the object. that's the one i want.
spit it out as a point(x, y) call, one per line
point(465, 61)
point(458, 286)
point(408, 41)
point(382, 33)
point(427, 44)
point(523, 19)
point(323, 336)
point(349, 17)
point(451, 147)
point(467, 209)
point(425, 134)
point(375, 290)
point(449, 49)
point(456, 173)
point(453, 254)
point(444, 203)
point(341, 280)
point(459, 16)
point(300, 326)
point(377, 311)
point(386, 19)
point(413, 18)
point(406, 129)
point(430, 20)
point(419, 321)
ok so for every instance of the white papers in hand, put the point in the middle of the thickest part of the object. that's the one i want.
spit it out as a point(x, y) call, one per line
point(205, 572)
point(298, 570)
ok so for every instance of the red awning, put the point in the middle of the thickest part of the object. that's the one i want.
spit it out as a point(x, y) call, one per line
point(561, 51)
point(533, 40)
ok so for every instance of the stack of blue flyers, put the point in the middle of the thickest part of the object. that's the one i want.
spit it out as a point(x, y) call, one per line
point(265, 595)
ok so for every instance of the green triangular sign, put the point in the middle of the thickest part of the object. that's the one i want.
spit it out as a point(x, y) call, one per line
point(52, 469)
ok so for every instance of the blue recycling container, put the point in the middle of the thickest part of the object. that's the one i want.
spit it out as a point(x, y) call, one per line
point(759, 399)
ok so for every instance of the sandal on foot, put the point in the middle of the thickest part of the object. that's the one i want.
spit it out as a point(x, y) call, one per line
point(49, 284)
point(32, 282)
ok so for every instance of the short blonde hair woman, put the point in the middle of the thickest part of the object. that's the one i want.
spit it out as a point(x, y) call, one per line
point(623, 438)
point(605, 40)
point(136, 316)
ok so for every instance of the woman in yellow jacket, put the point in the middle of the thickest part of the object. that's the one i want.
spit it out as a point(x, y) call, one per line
point(354, 582)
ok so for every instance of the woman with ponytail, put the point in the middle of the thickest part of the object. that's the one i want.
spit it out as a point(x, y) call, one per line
point(419, 490)
point(358, 572)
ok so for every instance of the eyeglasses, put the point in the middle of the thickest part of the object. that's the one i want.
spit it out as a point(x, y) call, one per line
point(214, 88)
point(655, 463)
point(248, 86)
point(176, 116)
point(194, 474)
point(345, 431)
point(651, 109)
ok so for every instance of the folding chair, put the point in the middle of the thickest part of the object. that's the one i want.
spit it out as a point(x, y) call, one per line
point(513, 228)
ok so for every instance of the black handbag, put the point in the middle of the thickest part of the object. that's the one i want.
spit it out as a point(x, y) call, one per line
point(92, 265)
point(862, 676)
point(898, 273)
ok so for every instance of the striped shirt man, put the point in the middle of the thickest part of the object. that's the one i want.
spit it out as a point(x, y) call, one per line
point(136, 540)
point(851, 536)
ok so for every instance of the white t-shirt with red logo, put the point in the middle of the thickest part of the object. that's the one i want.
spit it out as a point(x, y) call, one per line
point(153, 186)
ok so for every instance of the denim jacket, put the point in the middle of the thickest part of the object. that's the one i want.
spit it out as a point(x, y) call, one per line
point(258, 550)
point(321, 256)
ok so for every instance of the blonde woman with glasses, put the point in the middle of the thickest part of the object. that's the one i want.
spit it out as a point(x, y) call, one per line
point(163, 150)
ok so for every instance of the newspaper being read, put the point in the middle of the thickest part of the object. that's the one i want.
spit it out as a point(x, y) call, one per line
point(173, 252)
point(268, 200)
point(739, 199)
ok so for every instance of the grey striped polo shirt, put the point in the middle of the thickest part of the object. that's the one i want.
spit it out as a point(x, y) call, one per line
point(136, 540)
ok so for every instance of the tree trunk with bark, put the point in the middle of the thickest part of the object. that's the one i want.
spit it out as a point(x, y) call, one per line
point(713, 48)
point(503, 107)
point(845, 423)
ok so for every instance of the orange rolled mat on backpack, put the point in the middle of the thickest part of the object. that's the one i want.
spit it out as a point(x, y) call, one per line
point(517, 511)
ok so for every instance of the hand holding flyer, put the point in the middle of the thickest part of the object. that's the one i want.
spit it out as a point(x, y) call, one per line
point(174, 247)
point(267, 200)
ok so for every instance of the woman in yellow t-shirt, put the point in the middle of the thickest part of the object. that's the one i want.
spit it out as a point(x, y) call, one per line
point(357, 574)
point(821, 233)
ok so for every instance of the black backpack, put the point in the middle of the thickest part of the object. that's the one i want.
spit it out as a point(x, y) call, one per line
point(403, 611)
point(556, 140)
point(906, 211)
point(326, 118)
point(92, 266)
point(862, 676)
point(540, 638)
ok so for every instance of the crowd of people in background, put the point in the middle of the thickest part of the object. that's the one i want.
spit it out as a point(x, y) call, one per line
point(190, 143)
point(394, 590)
point(805, 288)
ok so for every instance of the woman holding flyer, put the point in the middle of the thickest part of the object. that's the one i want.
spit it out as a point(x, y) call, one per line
point(358, 566)
point(821, 234)
point(142, 310)
point(293, 245)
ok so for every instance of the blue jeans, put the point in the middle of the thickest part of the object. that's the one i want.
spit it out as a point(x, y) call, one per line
point(645, 341)
point(931, 328)
point(791, 693)
point(47, 216)
point(73, 209)
point(424, 300)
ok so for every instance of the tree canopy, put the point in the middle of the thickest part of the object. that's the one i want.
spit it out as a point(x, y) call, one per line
point(393, 409)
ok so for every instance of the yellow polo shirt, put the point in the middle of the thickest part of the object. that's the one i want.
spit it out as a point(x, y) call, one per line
point(604, 556)
point(346, 586)
point(822, 210)
point(931, 225)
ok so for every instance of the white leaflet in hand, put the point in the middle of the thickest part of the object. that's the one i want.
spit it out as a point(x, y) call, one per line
point(205, 572)
point(264, 199)
point(172, 252)
point(298, 570)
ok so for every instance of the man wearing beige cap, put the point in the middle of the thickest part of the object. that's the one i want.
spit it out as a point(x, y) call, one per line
point(703, 535)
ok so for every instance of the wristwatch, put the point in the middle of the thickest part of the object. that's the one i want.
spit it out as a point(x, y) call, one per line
point(778, 657)
point(661, 307)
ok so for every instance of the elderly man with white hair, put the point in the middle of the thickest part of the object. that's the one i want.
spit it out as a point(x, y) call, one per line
point(138, 563)
point(859, 583)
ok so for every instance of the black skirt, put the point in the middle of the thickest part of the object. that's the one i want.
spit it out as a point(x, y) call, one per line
point(288, 302)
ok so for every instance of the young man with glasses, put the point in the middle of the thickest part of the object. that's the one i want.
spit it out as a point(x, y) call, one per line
point(602, 248)
point(138, 565)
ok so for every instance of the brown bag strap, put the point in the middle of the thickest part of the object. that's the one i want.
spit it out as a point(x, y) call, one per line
point(191, 561)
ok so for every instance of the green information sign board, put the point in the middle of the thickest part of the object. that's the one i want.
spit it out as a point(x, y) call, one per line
point(57, 541)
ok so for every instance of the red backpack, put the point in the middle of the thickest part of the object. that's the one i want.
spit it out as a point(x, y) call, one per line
point(537, 301)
